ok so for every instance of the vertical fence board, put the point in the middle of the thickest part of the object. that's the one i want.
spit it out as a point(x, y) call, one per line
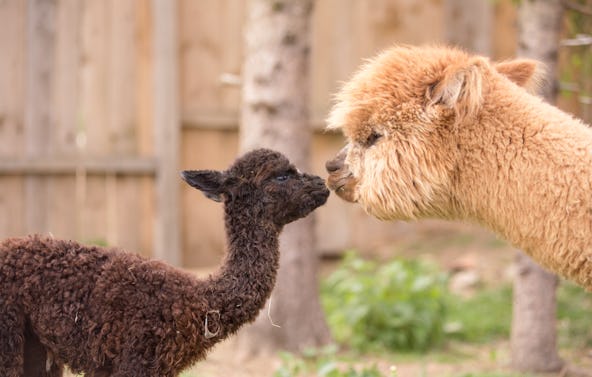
point(94, 70)
point(144, 118)
point(12, 73)
point(335, 58)
point(64, 205)
point(66, 73)
point(211, 45)
point(61, 208)
point(39, 112)
point(94, 213)
point(129, 215)
point(123, 127)
point(11, 207)
point(166, 132)
point(144, 78)
point(121, 77)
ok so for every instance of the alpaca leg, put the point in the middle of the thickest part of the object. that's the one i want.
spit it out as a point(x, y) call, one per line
point(12, 339)
point(39, 362)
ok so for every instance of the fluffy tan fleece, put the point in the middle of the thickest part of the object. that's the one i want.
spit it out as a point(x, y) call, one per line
point(434, 132)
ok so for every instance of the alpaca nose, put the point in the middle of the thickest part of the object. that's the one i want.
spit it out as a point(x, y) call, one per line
point(333, 165)
point(337, 163)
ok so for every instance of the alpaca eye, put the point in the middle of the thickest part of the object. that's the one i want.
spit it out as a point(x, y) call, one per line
point(286, 174)
point(372, 139)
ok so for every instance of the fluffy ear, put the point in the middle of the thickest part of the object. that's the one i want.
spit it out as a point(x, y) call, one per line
point(523, 72)
point(209, 182)
point(459, 88)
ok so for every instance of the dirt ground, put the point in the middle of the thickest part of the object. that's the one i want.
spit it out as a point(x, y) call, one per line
point(458, 360)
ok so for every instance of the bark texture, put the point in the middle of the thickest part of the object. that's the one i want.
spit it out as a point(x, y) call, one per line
point(275, 114)
point(534, 333)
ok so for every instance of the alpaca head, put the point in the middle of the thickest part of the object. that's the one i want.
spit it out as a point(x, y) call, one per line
point(266, 183)
point(400, 114)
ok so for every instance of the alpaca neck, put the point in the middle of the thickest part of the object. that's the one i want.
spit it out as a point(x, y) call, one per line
point(245, 281)
point(532, 184)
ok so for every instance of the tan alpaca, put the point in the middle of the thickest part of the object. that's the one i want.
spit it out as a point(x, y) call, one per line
point(434, 132)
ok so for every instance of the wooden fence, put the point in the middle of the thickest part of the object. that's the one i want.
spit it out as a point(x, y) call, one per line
point(89, 122)
point(102, 102)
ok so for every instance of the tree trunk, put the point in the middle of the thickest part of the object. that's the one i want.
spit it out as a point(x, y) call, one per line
point(469, 24)
point(275, 115)
point(534, 333)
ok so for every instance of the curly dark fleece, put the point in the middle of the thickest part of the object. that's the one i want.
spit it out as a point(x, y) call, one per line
point(105, 312)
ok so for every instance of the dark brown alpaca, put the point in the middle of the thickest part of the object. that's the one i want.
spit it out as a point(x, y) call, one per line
point(108, 313)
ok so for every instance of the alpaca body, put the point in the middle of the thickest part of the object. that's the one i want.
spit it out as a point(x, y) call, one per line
point(116, 302)
point(109, 313)
point(123, 303)
point(434, 132)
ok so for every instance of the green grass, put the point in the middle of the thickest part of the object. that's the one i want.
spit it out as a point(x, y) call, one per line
point(484, 317)
point(324, 362)
point(574, 316)
point(487, 316)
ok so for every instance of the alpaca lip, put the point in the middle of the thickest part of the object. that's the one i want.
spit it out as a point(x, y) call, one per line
point(323, 196)
point(343, 186)
point(320, 196)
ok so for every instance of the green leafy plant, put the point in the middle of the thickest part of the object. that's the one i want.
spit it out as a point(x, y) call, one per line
point(399, 305)
point(404, 305)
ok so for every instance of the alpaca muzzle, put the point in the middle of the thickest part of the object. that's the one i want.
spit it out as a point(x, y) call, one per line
point(340, 179)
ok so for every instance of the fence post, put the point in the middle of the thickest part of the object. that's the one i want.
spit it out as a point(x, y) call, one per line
point(167, 243)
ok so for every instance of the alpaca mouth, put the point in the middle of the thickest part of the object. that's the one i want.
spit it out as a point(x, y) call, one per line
point(312, 200)
point(322, 195)
point(319, 197)
point(343, 186)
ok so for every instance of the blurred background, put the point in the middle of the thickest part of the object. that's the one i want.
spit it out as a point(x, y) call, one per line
point(103, 102)
point(78, 93)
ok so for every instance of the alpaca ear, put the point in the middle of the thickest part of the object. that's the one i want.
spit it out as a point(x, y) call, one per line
point(459, 88)
point(523, 72)
point(210, 182)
